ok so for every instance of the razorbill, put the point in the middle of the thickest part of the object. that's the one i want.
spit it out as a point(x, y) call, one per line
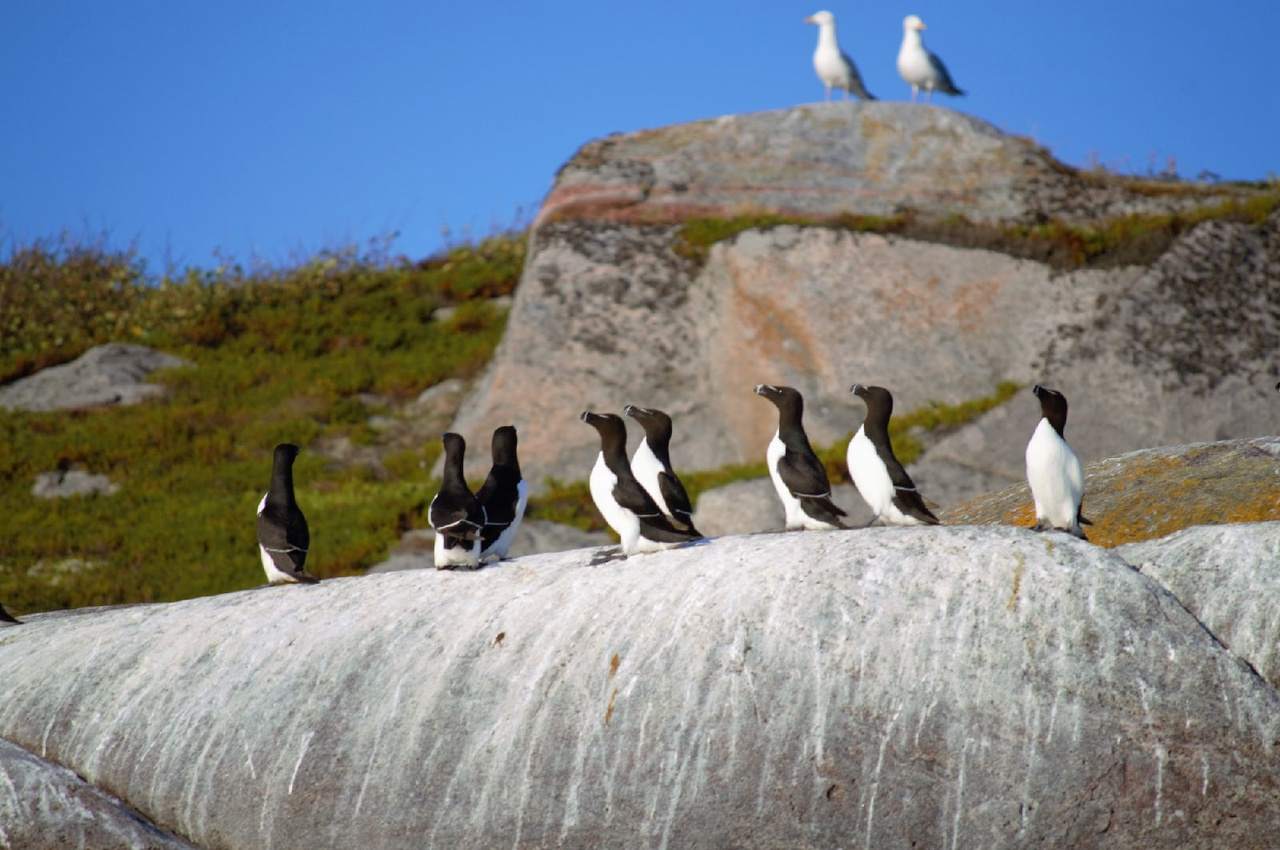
point(651, 465)
point(920, 68)
point(7, 619)
point(797, 474)
point(1053, 470)
point(283, 537)
point(881, 481)
point(504, 495)
point(625, 504)
point(834, 67)
point(455, 513)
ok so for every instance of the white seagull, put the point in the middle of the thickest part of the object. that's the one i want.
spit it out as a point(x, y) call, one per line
point(920, 68)
point(834, 67)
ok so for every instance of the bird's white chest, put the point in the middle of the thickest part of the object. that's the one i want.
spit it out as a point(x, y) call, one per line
point(795, 512)
point(829, 65)
point(913, 63)
point(622, 521)
point(646, 467)
point(1056, 476)
point(869, 474)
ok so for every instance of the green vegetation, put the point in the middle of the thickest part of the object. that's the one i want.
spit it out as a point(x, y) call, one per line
point(1134, 239)
point(298, 354)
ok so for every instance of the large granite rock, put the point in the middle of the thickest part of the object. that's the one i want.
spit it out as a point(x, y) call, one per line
point(613, 309)
point(961, 687)
point(104, 375)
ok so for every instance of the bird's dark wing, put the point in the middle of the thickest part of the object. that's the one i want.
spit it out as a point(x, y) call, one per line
point(654, 524)
point(944, 85)
point(905, 496)
point(856, 86)
point(677, 499)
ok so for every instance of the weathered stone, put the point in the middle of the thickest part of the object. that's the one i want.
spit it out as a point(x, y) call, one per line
point(967, 687)
point(1226, 576)
point(48, 806)
point(62, 484)
point(1152, 493)
point(102, 376)
point(611, 310)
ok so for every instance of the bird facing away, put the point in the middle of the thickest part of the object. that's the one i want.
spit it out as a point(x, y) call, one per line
point(455, 513)
point(503, 495)
point(651, 465)
point(881, 481)
point(1053, 470)
point(283, 536)
point(920, 68)
point(7, 619)
point(798, 475)
point(834, 67)
point(625, 504)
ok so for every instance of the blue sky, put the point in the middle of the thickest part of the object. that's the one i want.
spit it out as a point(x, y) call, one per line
point(198, 129)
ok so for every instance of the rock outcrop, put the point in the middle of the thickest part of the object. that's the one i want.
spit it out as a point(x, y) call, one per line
point(961, 687)
point(103, 376)
point(614, 306)
point(1151, 493)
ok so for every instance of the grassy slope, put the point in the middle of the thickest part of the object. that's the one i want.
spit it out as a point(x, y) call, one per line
point(282, 355)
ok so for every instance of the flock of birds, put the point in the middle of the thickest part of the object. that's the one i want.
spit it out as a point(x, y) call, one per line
point(644, 502)
point(916, 65)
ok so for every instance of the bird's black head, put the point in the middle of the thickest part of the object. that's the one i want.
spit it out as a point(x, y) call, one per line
point(612, 430)
point(879, 400)
point(1053, 406)
point(504, 445)
point(656, 423)
point(454, 444)
point(286, 452)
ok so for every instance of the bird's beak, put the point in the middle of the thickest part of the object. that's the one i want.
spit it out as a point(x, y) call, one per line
point(810, 21)
point(922, 26)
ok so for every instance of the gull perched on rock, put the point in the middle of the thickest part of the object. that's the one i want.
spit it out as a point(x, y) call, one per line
point(834, 67)
point(920, 68)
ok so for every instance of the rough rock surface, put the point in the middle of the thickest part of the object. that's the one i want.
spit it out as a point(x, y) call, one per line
point(1152, 493)
point(62, 484)
point(103, 375)
point(1226, 576)
point(610, 309)
point(43, 805)
point(960, 687)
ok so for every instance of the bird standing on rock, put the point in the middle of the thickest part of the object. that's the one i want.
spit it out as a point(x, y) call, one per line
point(503, 495)
point(455, 513)
point(920, 68)
point(625, 504)
point(798, 475)
point(283, 536)
point(652, 466)
point(881, 481)
point(834, 67)
point(1053, 469)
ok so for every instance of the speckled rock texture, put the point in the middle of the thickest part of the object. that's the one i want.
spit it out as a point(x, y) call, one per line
point(612, 309)
point(43, 805)
point(1152, 493)
point(955, 687)
point(103, 376)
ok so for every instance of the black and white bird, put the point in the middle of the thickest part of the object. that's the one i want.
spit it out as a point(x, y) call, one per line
point(881, 481)
point(1053, 470)
point(798, 475)
point(455, 513)
point(283, 536)
point(625, 504)
point(7, 619)
point(920, 68)
point(651, 465)
point(503, 495)
point(834, 67)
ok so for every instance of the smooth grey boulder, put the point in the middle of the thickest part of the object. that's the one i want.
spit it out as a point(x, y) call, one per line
point(43, 805)
point(957, 687)
point(1226, 575)
point(104, 375)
